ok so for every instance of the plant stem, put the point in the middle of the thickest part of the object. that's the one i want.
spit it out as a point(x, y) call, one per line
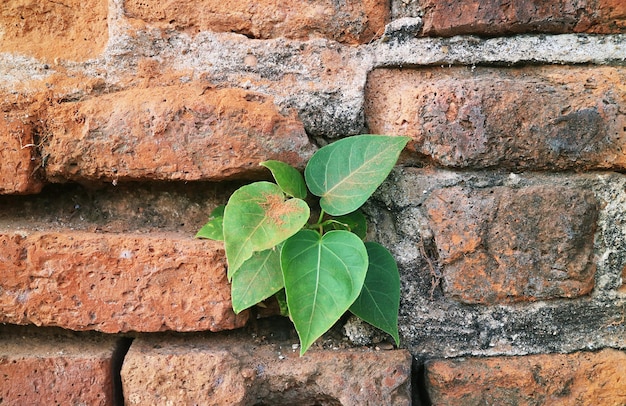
point(319, 224)
point(322, 213)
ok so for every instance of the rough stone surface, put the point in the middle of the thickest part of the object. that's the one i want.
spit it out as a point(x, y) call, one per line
point(582, 378)
point(115, 282)
point(56, 367)
point(18, 157)
point(502, 244)
point(500, 17)
point(530, 118)
point(435, 324)
point(229, 370)
point(351, 21)
point(72, 29)
point(186, 132)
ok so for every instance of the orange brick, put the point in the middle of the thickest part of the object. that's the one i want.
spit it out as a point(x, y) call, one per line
point(350, 21)
point(18, 157)
point(185, 132)
point(115, 282)
point(232, 370)
point(56, 367)
point(581, 378)
point(501, 17)
point(548, 118)
point(503, 244)
point(72, 29)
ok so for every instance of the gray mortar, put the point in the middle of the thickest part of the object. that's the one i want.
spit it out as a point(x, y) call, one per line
point(16, 69)
point(405, 8)
point(502, 51)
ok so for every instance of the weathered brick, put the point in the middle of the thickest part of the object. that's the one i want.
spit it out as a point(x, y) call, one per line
point(550, 118)
point(18, 157)
point(582, 378)
point(350, 21)
point(233, 370)
point(501, 17)
point(56, 368)
point(72, 29)
point(186, 132)
point(115, 282)
point(502, 244)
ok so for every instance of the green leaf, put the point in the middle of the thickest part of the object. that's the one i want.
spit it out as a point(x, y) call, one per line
point(346, 173)
point(379, 301)
point(354, 222)
point(288, 178)
point(258, 278)
point(257, 217)
point(323, 277)
point(214, 229)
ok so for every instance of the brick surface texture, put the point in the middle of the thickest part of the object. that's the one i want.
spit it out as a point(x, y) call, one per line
point(551, 118)
point(18, 162)
point(75, 30)
point(175, 133)
point(582, 378)
point(500, 17)
point(115, 283)
point(352, 22)
point(225, 370)
point(502, 244)
point(56, 368)
point(124, 123)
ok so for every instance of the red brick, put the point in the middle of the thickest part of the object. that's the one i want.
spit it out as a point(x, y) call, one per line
point(58, 368)
point(115, 283)
point(548, 118)
point(18, 157)
point(350, 21)
point(72, 29)
point(582, 378)
point(502, 244)
point(233, 370)
point(186, 132)
point(501, 17)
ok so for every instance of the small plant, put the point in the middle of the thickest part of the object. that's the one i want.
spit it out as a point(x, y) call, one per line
point(324, 266)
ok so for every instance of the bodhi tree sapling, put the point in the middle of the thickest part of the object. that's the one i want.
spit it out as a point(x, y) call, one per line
point(323, 265)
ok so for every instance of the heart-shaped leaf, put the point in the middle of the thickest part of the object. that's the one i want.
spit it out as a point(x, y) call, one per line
point(258, 278)
point(214, 229)
point(379, 301)
point(257, 217)
point(344, 174)
point(323, 277)
point(288, 178)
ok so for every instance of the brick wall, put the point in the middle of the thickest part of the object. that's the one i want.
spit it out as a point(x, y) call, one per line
point(124, 123)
